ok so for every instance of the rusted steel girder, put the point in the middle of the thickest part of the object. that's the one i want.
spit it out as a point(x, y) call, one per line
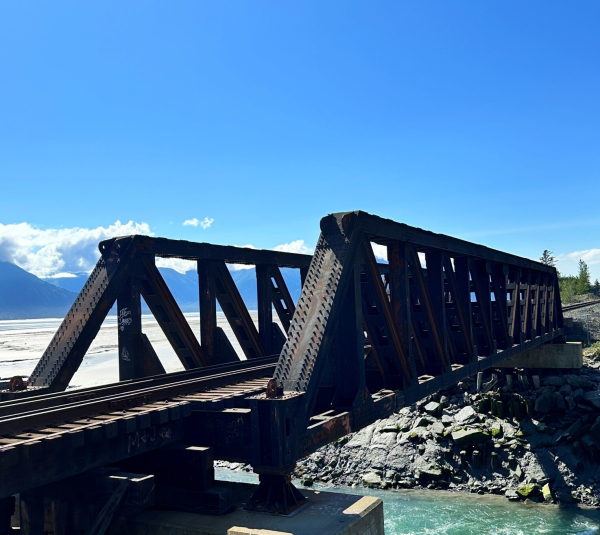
point(126, 272)
point(468, 308)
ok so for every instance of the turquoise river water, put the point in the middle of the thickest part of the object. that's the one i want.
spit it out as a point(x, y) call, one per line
point(430, 512)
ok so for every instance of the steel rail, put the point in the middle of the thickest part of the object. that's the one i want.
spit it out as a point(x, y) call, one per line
point(566, 308)
point(28, 419)
point(57, 398)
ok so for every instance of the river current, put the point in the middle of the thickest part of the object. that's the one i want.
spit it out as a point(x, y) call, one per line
point(437, 512)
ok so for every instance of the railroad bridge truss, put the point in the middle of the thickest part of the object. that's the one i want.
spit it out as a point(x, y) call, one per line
point(363, 339)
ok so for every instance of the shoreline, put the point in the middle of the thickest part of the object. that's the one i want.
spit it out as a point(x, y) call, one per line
point(526, 443)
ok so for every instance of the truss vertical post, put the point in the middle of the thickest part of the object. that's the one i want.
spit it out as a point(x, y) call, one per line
point(546, 314)
point(552, 308)
point(516, 329)
point(480, 273)
point(499, 276)
point(527, 321)
point(463, 284)
point(537, 313)
point(265, 306)
point(435, 285)
point(129, 323)
point(398, 278)
point(208, 308)
point(461, 305)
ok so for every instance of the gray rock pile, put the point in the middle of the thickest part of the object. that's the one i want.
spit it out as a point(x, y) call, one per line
point(534, 438)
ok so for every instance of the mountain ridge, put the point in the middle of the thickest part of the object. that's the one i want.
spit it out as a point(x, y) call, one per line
point(25, 296)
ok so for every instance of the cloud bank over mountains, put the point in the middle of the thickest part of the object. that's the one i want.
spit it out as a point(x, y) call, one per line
point(59, 252)
point(56, 253)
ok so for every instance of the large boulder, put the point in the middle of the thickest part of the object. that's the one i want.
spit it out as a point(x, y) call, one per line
point(545, 403)
point(467, 437)
point(593, 398)
point(554, 380)
point(371, 479)
point(432, 471)
point(533, 469)
point(383, 440)
point(579, 381)
point(362, 438)
point(437, 428)
point(399, 458)
point(527, 427)
point(559, 402)
point(433, 407)
point(423, 421)
point(466, 415)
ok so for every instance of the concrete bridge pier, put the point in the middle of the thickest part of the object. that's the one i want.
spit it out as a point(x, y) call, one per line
point(328, 513)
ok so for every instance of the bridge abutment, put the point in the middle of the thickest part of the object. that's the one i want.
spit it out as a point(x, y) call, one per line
point(325, 512)
point(548, 356)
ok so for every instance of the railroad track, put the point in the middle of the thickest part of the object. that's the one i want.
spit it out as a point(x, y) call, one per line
point(212, 386)
point(581, 305)
point(48, 437)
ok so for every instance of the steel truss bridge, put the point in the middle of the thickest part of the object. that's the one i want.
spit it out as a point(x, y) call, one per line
point(364, 339)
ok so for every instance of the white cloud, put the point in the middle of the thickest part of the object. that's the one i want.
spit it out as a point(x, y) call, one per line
point(178, 264)
point(297, 246)
point(239, 267)
point(58, 252)
point(205, 223)
point(380, 251)
point(568, 263)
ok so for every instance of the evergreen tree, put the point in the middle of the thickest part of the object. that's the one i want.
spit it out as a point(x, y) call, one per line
point(583, 285)
point(597, 287)
point(547, 258)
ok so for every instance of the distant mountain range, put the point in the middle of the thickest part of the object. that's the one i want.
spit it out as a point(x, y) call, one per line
point(25, 296)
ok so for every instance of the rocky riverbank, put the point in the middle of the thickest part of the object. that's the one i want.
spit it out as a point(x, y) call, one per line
point(533, 437)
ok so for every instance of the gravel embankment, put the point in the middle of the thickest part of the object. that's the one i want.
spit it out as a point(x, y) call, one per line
point(538, 442)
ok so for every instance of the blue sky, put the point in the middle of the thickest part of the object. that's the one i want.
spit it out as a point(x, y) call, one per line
point(476, 119)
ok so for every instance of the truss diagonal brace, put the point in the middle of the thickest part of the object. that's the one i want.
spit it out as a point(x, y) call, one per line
point(383, 304)
point(163, 306)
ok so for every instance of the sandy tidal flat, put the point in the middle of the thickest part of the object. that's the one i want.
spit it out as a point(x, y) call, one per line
point(22, 343)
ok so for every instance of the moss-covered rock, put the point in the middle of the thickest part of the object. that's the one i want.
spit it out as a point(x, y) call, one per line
point(528, 490)
point(547, 493)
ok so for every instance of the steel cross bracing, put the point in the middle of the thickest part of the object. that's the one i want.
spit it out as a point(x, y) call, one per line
point(363, 339)
point(427, 326)
point(127, 271)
